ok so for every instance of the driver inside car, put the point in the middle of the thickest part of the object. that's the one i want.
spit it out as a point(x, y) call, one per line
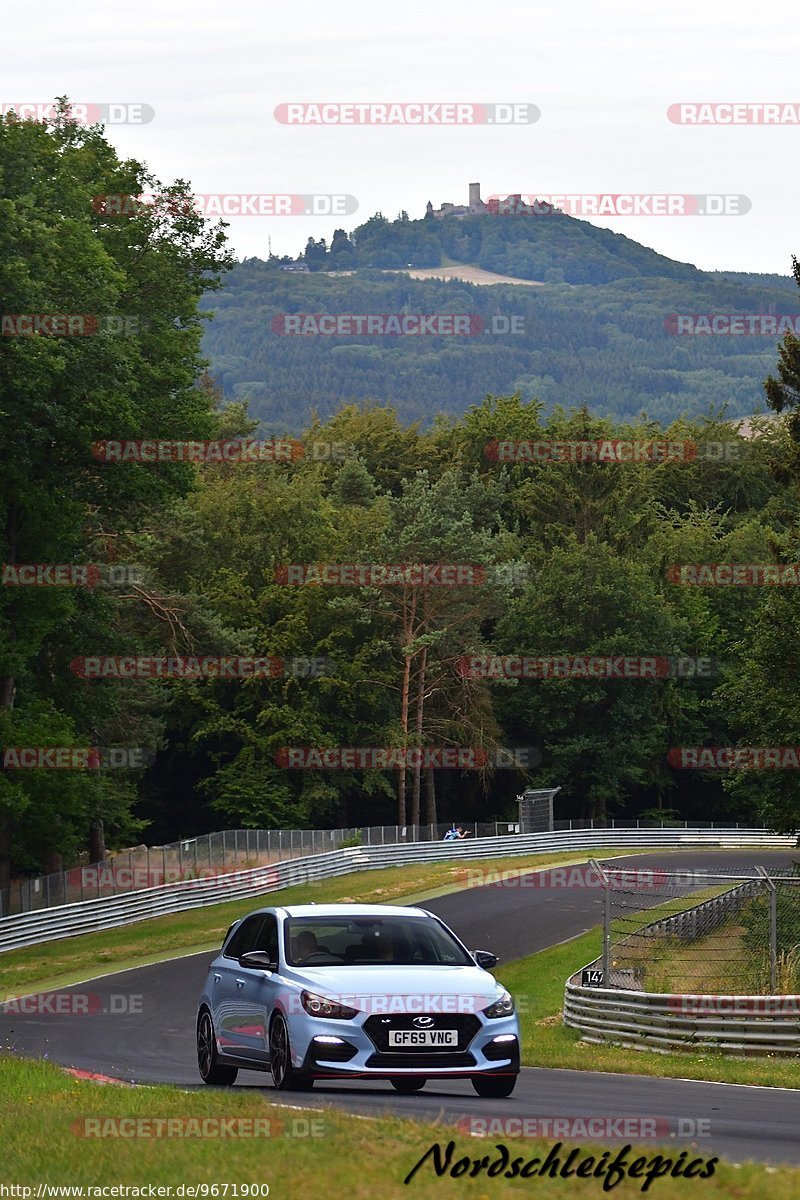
point(382, 948)
point(304, 945)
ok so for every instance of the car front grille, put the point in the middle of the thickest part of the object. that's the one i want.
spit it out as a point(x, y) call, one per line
point(377, 1029)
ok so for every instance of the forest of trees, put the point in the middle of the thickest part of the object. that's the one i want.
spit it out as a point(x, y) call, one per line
point(577, 557)
point(595, 341)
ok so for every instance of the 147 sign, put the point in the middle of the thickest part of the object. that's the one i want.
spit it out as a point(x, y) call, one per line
point(591, 977)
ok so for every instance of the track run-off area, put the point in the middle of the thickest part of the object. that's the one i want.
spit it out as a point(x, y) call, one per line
point(141, 1029)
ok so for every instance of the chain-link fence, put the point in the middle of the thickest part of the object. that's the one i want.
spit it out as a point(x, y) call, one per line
point(239, 849)
point(212, 854)
point(699, 932)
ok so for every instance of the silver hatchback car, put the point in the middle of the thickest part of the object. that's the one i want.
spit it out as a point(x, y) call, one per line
point(352, 991)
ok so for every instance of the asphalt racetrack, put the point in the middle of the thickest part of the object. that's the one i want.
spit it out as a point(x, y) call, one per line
point(144, 1031)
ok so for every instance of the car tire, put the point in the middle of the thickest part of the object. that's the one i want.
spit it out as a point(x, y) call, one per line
point(494, 1086)
point(406, 1085)
point(285, 1077)
point(212, 1071)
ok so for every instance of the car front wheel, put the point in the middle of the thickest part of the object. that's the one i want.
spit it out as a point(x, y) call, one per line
point(211, 1069)
point(284, 1075)
point(494, 1086)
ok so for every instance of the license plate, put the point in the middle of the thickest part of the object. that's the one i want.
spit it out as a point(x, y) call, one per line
point(428, 1038)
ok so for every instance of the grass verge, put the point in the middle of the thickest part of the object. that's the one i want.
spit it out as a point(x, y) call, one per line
point(43, 1124)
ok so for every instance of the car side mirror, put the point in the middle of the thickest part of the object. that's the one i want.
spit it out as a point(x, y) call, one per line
point(485, 959)
point(258, 960)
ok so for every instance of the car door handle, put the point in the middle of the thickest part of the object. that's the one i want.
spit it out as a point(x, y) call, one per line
point(217, 978)
point(240, 983)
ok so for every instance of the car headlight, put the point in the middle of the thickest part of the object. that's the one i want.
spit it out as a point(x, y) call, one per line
point(504, 1007)
point(318, 1006)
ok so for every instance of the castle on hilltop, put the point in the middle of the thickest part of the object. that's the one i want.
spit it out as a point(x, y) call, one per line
point(475, 207)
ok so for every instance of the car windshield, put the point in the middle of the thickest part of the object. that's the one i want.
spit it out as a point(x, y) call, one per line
point(371, 941)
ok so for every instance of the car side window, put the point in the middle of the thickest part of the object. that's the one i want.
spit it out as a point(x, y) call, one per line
point(267, 938)
point(245, 937)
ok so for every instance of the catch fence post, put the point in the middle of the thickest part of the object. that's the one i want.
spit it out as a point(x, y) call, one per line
point(773, 930)
point(594, 864)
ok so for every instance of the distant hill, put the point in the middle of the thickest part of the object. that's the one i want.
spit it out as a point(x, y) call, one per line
point(603, 341)
point(554, 247)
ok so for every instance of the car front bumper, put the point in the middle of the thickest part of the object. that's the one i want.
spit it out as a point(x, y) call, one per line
point(347, 1049)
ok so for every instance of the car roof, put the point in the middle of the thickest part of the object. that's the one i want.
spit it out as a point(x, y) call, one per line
point(347, 910)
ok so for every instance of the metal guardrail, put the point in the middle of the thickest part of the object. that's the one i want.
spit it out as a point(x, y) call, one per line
point(635, 1019)
point(650, 1021)
point(232, 850)
point(70, 920)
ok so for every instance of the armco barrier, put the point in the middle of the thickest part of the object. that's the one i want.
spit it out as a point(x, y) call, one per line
point(230, 850)
point(650, 1021)
point(69, 920)
point(703, 918)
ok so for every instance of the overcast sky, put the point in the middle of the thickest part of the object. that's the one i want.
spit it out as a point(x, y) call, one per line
point(603, 77)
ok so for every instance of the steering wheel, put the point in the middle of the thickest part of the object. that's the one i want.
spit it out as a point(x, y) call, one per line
point(319, 954)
